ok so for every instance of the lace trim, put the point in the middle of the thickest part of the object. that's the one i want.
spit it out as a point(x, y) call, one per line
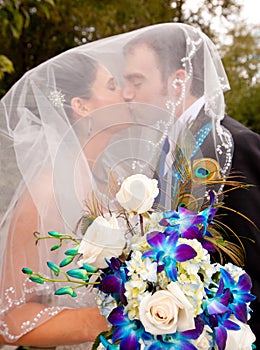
point(10, 301)
point(27, 326)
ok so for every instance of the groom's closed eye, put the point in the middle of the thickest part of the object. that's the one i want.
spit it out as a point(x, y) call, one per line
point(134, 80)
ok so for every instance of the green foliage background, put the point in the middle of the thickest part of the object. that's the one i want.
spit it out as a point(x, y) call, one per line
point(32, 31)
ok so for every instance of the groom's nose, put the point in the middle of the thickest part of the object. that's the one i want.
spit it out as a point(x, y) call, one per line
point(128, 94)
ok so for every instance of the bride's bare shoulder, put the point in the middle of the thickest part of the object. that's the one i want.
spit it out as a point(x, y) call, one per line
point(35, 198)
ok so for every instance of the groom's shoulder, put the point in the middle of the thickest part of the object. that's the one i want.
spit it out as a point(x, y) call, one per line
point(236, 128)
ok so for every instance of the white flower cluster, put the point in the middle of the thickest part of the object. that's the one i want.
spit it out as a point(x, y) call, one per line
point(141, 271)
point(189, 273)
point(106, 303)
point(235, 271)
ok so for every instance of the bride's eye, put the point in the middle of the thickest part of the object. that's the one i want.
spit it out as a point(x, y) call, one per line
point(111, 85)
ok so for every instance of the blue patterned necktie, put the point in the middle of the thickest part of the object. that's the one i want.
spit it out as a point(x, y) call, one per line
point(160, 173)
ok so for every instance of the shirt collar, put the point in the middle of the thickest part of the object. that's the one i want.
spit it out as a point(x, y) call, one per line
point(191, 113)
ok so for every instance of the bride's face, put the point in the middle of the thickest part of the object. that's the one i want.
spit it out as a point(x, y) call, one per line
point(105, 91)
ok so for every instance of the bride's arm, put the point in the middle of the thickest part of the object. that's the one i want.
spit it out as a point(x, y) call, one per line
point(70, 326)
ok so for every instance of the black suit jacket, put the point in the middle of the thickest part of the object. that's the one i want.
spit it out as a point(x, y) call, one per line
point(246, 167)
point(246, 161)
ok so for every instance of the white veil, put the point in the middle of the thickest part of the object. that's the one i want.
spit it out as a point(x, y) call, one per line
point(45, 175)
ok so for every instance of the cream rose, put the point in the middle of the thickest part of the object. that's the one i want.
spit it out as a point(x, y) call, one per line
point(166, 311)
point(241, 339)
point(103, 239)
point(137, 193)
point(203, 341)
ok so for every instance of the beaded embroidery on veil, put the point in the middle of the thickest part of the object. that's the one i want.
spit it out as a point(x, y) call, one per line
point(46, 150)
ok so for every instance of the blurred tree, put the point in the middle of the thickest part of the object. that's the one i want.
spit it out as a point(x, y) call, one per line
point(242, 63)
point(207, 14)
point(33, 31)
point(15, 18)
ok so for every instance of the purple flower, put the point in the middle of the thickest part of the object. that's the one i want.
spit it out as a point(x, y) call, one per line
point(199, 235)
point(127, 331)
point(240, 293)
point(219, 325)
point(174, 341)
point(191, 225)
point(182, 221)
point(166, 252)
point(231, 298)
point(113, 280)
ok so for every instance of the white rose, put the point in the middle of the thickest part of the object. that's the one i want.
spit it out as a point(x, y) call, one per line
point(103, 239)
point(166, 311)
point(203, 341)
point(241, 339)
point(137, 193)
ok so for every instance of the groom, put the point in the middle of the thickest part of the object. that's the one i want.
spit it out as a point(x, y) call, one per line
point(153, 72)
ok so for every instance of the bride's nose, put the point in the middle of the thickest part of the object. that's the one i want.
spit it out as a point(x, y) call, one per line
point(128, 94)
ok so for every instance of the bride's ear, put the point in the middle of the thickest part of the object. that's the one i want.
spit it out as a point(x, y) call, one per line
point(79, 106)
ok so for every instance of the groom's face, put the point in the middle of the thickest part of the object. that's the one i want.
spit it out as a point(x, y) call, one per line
point(143, 80)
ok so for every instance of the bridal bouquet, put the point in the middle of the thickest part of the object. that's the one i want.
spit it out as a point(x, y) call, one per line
point(157, 283)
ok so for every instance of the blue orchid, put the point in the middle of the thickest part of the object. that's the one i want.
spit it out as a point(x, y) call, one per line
point(171, 342)
point(113, 280)
point(127, 332)
point(220, 323)
point(231, 298)
point(200, 235)
point(187, 222)
point(240, 293)
point(181, 221)
point(107, 345)
point(231, 295)
point(166, 252)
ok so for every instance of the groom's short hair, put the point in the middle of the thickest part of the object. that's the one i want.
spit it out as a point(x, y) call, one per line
point(170, 47)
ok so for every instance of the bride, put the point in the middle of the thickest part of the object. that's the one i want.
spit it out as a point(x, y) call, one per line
point(65, 128)
point(39, 112)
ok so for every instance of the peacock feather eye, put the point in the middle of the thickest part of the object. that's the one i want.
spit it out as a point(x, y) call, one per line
point(188, 201)
point(205, 169)
point(202, 172)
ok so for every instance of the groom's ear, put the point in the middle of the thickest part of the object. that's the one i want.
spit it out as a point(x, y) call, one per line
point(79, 106)
point(177, 80)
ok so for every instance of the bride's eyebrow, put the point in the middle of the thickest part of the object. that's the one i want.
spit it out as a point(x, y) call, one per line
point(111, 81)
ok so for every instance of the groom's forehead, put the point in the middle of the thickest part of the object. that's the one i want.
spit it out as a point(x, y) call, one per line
point(139, 59)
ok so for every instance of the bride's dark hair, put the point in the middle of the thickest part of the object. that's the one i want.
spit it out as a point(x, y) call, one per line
point(74, 74)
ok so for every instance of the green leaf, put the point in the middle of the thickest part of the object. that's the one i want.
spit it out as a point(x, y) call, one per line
point(55, 268)
point(78, 273)
point(26, 18)
point(105, 334)
point(51, 2)
point(18, 24)
point(66, 261)
point(37, 279)
point(6, 66)
point(66, 290)
point(44, 9)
